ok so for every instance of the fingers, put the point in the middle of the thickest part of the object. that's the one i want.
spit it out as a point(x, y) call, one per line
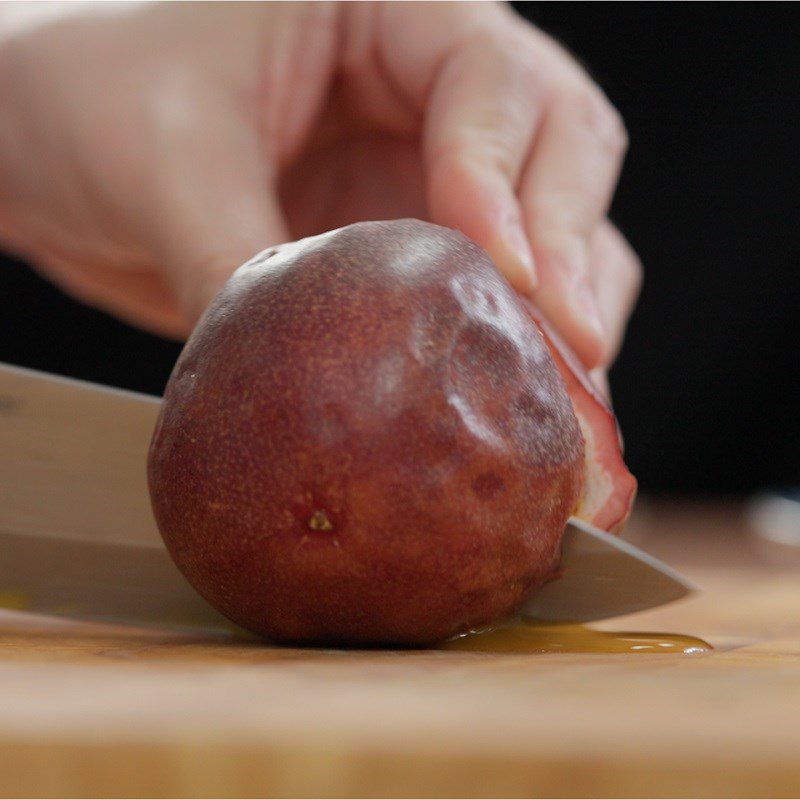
point(207, 206)
point(137, 296)
point(565, 192)
point(616, 274)
point(211, 244)
point(481, 116)
point(213, 205)
point(522, 154)
point(599, 377)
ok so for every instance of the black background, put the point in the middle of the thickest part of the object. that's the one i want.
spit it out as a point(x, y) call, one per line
point(708, 384)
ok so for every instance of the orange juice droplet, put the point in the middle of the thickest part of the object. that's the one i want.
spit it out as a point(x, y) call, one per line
point(529, 636)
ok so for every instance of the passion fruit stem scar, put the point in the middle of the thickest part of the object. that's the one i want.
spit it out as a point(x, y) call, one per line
point(319, 522)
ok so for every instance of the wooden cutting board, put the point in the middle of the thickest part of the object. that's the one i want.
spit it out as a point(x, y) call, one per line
point(100, 711)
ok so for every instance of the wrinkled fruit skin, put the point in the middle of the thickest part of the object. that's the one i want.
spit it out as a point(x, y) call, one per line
point(366, 441)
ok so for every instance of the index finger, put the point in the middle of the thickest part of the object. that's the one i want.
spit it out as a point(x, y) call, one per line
point(565, 192)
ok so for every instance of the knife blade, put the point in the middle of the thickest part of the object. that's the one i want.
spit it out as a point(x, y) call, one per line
point(72, 459)
point(603, 576)
point(104, 582)
point(77, 535)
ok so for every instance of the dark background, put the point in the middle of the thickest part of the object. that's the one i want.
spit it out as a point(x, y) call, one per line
point(708, 385)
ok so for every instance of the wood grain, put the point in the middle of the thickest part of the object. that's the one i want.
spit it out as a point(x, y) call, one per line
point(99, 711)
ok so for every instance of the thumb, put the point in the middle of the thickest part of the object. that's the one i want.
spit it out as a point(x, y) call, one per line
point(204, 254)
point(215, 207)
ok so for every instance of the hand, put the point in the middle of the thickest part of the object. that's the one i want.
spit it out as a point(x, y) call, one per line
point(146, 150)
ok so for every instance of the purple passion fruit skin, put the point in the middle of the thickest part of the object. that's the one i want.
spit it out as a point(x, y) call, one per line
point(366, 441)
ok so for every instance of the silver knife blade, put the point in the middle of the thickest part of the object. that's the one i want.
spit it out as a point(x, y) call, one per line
point(119, 583)
point(604, 576)
point(72, 458)
point(74, 506)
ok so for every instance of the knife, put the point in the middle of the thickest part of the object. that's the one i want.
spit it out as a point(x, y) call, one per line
point(78, 538)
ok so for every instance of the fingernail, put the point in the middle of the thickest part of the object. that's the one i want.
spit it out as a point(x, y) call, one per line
point(513, 253)
point(588, 305)
point(581, 291)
